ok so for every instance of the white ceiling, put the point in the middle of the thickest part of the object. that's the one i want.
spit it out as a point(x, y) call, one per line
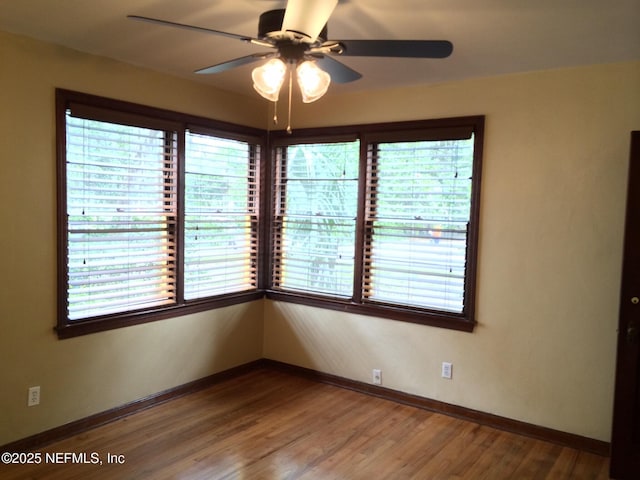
point(490, 37)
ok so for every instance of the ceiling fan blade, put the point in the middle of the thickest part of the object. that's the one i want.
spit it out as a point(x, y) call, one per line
point(238, 62)
point(190, 27)
point(397, 48)
point(308, 16)
point(339, 72)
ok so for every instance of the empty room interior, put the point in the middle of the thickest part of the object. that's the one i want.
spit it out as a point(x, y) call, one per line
point(479, 278)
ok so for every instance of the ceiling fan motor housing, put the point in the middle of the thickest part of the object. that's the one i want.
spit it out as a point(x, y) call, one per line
point(271, 23)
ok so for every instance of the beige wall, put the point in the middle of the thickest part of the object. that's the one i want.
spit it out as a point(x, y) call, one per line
point(553, 191)
point(90, 374)
point(556, 152)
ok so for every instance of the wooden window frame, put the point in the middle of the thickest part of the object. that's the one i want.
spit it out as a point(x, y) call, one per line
point(267, 143)
point(439, 129)
point(122, 112)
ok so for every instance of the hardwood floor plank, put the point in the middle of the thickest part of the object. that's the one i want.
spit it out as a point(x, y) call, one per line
point(268, 424)
point(500, 456)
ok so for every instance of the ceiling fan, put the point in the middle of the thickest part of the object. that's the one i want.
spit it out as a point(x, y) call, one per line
point(297, 38)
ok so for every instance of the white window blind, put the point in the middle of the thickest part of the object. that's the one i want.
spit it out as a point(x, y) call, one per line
point(121, 214)
point(418, 212)
point(221, 216)
point(316, 190)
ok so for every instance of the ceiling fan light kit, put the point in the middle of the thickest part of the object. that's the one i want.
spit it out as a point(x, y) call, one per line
point(269, 77)
point(298, 34)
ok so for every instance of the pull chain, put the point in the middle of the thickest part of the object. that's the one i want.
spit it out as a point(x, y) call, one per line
point(275, 112)
point(290, 95)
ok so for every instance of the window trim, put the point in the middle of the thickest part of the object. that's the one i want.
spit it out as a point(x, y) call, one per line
point(378, 133)
point(113, 110)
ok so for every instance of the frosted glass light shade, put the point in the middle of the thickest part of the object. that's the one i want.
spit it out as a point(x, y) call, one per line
point(268, 78)
point(313, 81)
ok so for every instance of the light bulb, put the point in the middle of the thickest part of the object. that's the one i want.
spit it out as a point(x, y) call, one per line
point(268, 78)
point(313, 81)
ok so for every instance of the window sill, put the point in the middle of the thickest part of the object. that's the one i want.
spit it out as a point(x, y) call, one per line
point(421, 317)
point(434, 319)
point(111, 322)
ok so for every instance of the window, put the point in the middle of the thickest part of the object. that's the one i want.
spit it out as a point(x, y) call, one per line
point(221, 222)
point(158, 216)
point(419, 207)
point(385, 224)
point(121, 218)
point(316, 192)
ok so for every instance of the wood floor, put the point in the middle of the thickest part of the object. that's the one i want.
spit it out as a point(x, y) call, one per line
point(272, 425)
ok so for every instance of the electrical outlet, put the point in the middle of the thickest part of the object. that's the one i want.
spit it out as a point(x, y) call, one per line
point(377, 376)
point(34, 396)
point(447, 370)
